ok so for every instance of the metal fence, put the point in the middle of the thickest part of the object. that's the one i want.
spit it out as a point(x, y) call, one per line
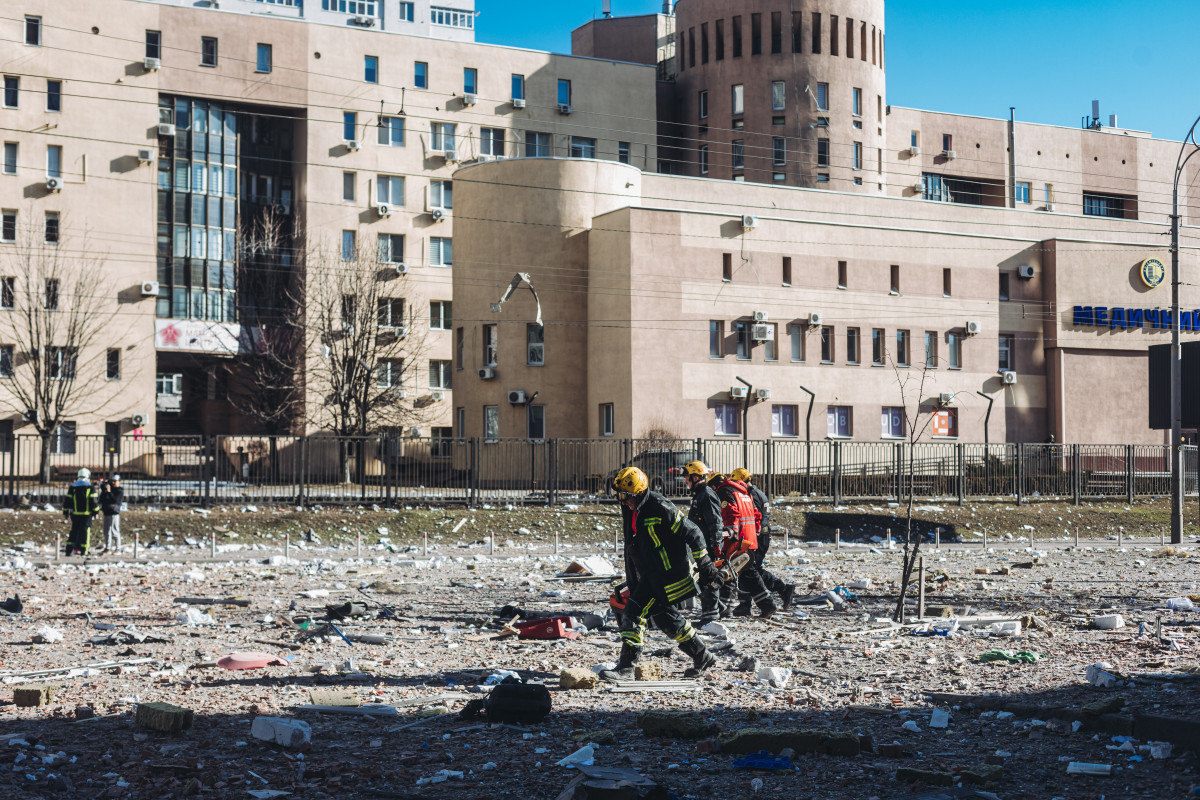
point(206, 470)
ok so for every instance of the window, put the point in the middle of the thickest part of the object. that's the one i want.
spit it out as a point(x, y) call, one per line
point(843, 271)
point(947, 142)
point(954, 350)
point(691, 49)
point(491, 345)
point(703, 42)
point(726, 419)
point(856, 102)
point(442, 136)
point(770, 353)
point(208, 51)
point(852, 345)
point(606, 419)
point(892, 423)
point(537, 145)
point(931, 342)
point(564, 92)
point(583, 147)
point(716, 337)
point(623, 152)
point(61, 362)
point(10, 158)
point(7, 352)
point(420, 75)
point(822, 152)
point(756, 34)
point(406, 12)
point(348, 246)
point(391, 131)
point(263, 60)
point(518, 87)
point(54, 95)
point(826, 344)
point(112, 364)
point(390, 312)
point(440, 315)
point(783, 420)
point(12, 91)
point(945, 423)
point(439, 374)
point(441, 443)
point(459, 346)
point(856, 156)
point(1006, 342)
point(8, 292)
point(702, 104)
point(491, 423)
point(833, 34)
point(787, 270)
point(153, 44)
point(878, 347)
point(1099, 205)
point(823, 96)
point(349, 304)
point(362, 8)
point(536, 422)
point(535, 345)
point(726, 266)
point(743, 340)
point(778, 151)
point(946, 282)
point(839, 422)
point(902, 348)
point(51, 230)
point(451, 17)
point(737, 37)
point(778, 95)
point(52, 292)
point(776, 32)
point(389, 189)
point(54, 161)
point(389, 373)
point(1049, 191)
point(33, 31)
point(739, 155)
point(349, 126)
point(8, 225)
point(470, 80)
point(63, 439)
point(703, 153)
point(391, 248)
point(914, 138)
point(1004, 294)
point(441, 195)
point(348, 187)
point(441, 251)
point(491, 142)
point(1023, 189)
point(719, 39)
point(737, 99)
point(895, 279)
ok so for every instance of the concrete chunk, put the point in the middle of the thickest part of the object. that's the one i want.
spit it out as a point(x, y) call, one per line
point(577, 679)
point(925, 776)
point(286, 732)
point(773, 740)
point(648, 671)
point(674, 724)
point(164, 717)
point(34, 695)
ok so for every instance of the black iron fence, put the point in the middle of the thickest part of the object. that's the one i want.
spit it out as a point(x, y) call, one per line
point(305, 470)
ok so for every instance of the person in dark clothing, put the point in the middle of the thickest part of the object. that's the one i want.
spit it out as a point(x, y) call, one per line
point(79, 506)
point(740, 520)
point(658, 543)
point(705, 512)
point(112, 495)
point(762, 504)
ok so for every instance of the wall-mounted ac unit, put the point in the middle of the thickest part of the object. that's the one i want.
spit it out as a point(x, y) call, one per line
point(914, 150)
point(384, 209)
point(149, 288)
point(946, 398)
point(1049, 206)
point(487, 373)
point(139, 420)
point(762, 394)
point(414, 432)
point(54, 184)
point(451, 155)
point(438, 214)
point(166, 129)
point(764, 333)
point(1025, 271)
point(145, 155)
point(282, 210)
point(366, 22)
point(761, 316)
point(950, 154)
point(815, 318)
point(973, 327)
point(516, 397)
point(152, 64)
point(435, 396)
point(749, 221)
point(919, 187)
point(565, 108)
point(737, 392)
point(400, 394)
point(468, 99)
point(1009, 377)
point(518, 102)
point(402, 269)
point(353, 144)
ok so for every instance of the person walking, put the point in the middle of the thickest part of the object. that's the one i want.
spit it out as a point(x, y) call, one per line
point(112, 495)
point(80, 505)
point(762, 505)
point(705, 512)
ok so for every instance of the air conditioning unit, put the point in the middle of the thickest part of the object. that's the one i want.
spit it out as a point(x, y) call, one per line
point(149, 288)
point(919, 187)
point(1009, 377)
point(761, 316)
point(384, 209)
point(946, 398)
point(139, 420)
point(166, 129)
point(1049, 206)
point(29, 415)
point(152, 64)
point(737, 392)
point(450, 155)
point(518, 102)
point(764, 333)
point(1025, 271)
point(366, 22)
point(400, 394)
point(762, 394)
point(54, 184)
point(468, 99)
point(973, 327)
point(565, 108)
point(915, 150)
point(487, 373)
point(402, 269)
point(435, 396)
point(815, 318)
point(438, 214)
point(516, 397)
point(414, 432)
point(950, 154)
point(353, 144)
point(145, 155)
point(482, 157)
point(749, 222)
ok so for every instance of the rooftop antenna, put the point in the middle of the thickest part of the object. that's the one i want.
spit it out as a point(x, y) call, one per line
point(607, 9)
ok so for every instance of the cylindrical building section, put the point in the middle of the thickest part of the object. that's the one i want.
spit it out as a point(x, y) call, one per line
point(791, 93)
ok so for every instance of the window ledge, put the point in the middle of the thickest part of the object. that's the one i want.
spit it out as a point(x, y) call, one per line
point(785, 436)
point(894, 438)
point(853, 363)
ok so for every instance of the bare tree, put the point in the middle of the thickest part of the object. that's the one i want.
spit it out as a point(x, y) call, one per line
point(59, 306)
point(659, 433)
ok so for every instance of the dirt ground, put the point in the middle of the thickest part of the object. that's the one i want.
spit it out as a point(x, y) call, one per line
point(850, 672)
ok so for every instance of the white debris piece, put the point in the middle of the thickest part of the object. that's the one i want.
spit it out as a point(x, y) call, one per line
point(1100, 675)
point(194, 616)
point(584, 756)
point(441, 776)
point(940, 718)
point(286, 732)
point(778, 677)
point(911, 726)
point(47, 635)
point(1180, 604)
point(1109, 622)
point(715, 629)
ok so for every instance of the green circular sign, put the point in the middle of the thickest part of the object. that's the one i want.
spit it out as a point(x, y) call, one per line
point(1152, 272)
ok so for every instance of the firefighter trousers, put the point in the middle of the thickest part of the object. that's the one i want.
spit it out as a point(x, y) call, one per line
point(643, 607)
point(78, 538)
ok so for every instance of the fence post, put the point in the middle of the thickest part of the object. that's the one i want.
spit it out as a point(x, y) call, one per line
point(626, 452)
point(553, 477)
point(961, 452)
point(1076, 474)
point(1020, 470)
point(1129, 472)
point(473, 443)
point(14, 457)
point(770, 469)
point(208, 473)
point(836, 477)
point(898, 469)
point(700, 450)
point(303, 476)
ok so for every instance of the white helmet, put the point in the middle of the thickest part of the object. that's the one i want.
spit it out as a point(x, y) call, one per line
point(84, 474)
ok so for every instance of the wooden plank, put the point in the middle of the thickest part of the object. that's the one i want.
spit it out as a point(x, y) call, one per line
point(334, 697)
point(369, 710)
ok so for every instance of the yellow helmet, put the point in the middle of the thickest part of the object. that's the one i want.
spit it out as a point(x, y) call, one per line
point(630, 481)
point(695, 468)
point(741, 474)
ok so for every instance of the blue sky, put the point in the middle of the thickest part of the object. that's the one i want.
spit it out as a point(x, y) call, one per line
point(1050, 59)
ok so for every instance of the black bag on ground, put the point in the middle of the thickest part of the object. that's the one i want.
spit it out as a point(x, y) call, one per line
point(518, 703)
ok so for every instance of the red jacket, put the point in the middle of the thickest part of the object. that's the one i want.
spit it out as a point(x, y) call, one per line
point(738, 514)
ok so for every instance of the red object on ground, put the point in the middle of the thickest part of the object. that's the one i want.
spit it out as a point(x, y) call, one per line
point(548, 628)
point(250, 661)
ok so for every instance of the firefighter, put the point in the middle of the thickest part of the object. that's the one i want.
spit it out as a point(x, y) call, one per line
point(740, 518)
point(80, 505)
point(705, 512)
point(658, 542)
point(763, 506)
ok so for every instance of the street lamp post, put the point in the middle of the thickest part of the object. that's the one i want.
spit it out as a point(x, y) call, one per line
point(1176, 361)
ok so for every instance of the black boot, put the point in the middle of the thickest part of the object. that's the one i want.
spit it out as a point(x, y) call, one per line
point(786, 594)
point(624, 670)
point(701, 658)
point(766, 607)
point(742, 609)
